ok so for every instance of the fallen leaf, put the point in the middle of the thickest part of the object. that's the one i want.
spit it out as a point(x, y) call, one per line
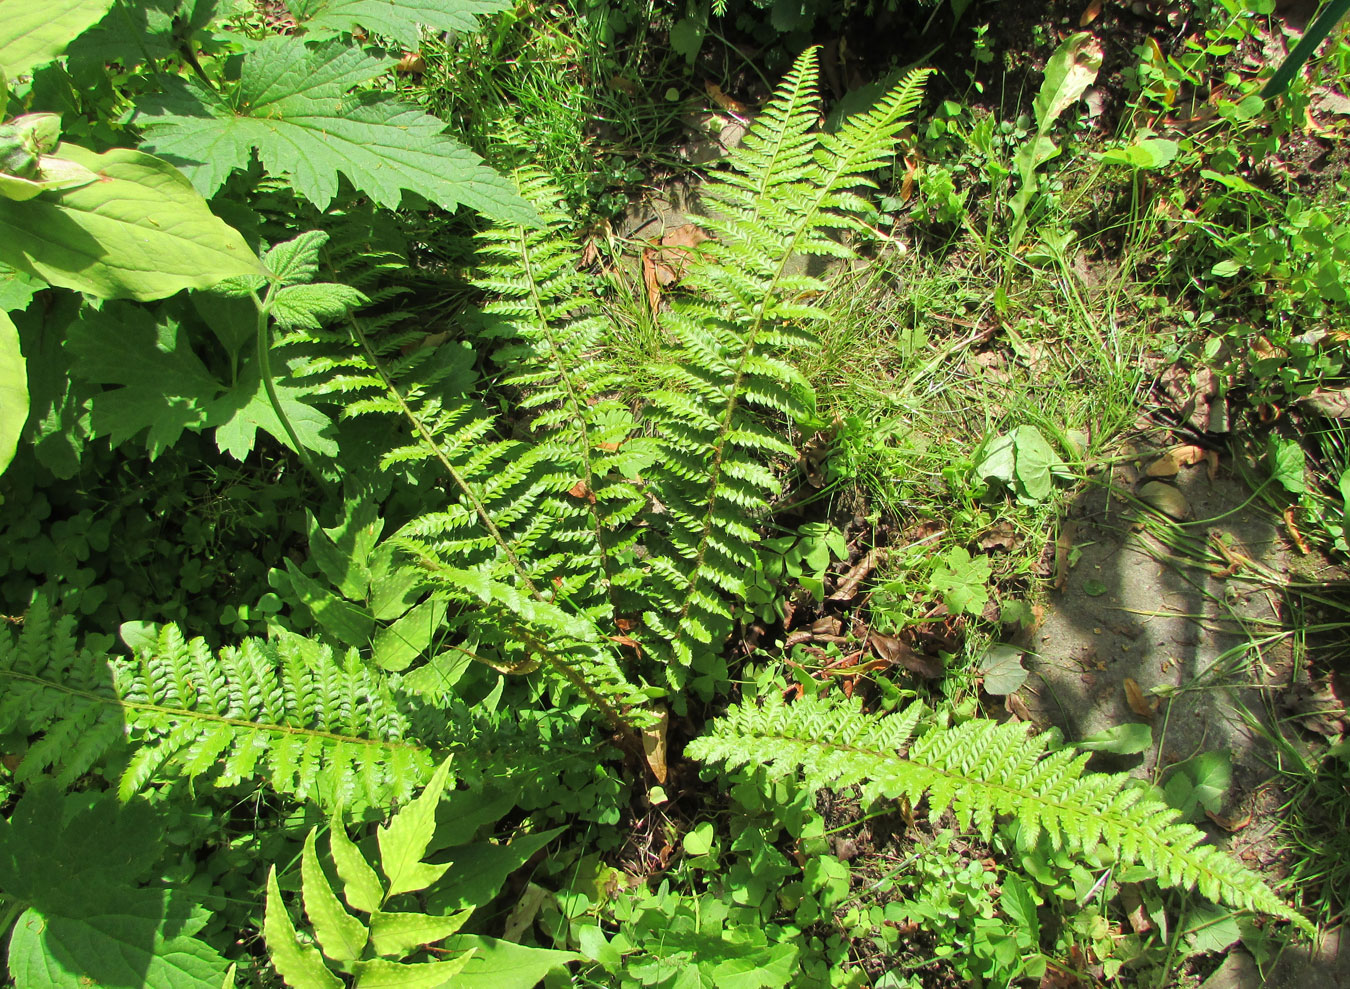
point(1294, 534)
point(1166, 499)
point(728, 104)
point(626, 624)
point(1000, 537)
point(1093, 11)
point(1063, 544)
point(654, 743)
point(895, 652)
point(1171, 462)
point(1135, 698)
point(629, 641)
point(1332, 403)
point(815, 453)
point(579, 490)
point(911, 173)
point(848, 586)
point(1229, 824)
point(411, 64)
point(522, 915)
point(651, 280)
point(1212, 463)
point(1135, 911)
point(1018, 708)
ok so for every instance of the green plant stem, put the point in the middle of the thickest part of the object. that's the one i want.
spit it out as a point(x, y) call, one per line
point(1305, 49)
point(265, 372)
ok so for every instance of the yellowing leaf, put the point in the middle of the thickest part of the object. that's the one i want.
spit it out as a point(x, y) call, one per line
point(32, 34)
point(139, 232)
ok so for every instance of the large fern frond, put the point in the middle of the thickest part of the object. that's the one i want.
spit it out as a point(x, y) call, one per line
point(789, 190)
point(984, 771)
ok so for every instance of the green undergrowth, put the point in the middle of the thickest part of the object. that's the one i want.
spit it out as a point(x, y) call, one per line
point(403, 589)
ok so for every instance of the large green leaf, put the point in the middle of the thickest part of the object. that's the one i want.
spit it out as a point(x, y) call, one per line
point(503, 964)
point(403, 841)
point(33, 33)
point(399, 22)
point(293, 107)
point(161, 386)
point(141, 232)
point(13, 390)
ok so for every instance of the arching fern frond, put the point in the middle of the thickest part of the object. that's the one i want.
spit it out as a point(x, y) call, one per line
point(789, 190)
point(984, 771)
point(287, 711)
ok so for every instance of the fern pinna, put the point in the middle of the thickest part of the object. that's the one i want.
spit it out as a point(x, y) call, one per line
point(983, 770)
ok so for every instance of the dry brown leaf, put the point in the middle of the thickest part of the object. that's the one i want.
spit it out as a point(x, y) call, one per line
point(1135, 911)
point(1018, 708)
point(579, 490)
point(1334, 404)
point(911, 174)
point(1229, 824)
point(1135, 698)
point(654, 743)
point(1093, 11)
point(815, 452)
point(626, 624)
point(848, 586)
point(410, 64)
point(627, 640)
point(999, 537)
point(651, 280)
point(1171, 462)
point(728, 104)
point(897, 653)
point(1063, 544)
point(1294, 534)
point(522, 915)
point(1212, 463)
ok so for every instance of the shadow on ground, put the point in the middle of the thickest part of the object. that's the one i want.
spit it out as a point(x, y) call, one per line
point(1190, 611)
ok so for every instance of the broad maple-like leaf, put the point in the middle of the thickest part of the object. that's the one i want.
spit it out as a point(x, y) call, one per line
point(292, 105)
point(401, 22)
point(164, 387)
point(245, 408)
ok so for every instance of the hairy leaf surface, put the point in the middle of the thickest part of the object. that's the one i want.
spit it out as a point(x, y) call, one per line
point(401, 22)
point(293, 107)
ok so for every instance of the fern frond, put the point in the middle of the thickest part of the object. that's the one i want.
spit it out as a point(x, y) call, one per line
point(789, 190)
point(984, 771)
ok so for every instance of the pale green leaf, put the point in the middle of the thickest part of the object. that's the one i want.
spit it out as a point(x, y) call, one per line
point(13, 390)
point(380, 973)
point(32, 34)
point(301, 122)
point(140, 232)
point(300, 965)
point(399, 22)
point(398, 645)
point(296, 261)
point(239, 413)
point(1287, 463)
point(360, 884)
point(395, 934)
point(403, 841)
point(1002, 669)
point(1036, 461)
point(1070, 70)
point(1127, 739)
point(341, 936)
point(504, 965)
point(313, 306)
point(162, 387)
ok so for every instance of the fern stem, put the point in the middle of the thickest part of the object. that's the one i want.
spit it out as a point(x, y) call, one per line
point(578, 414)
point(264, 338)
point(460, 481)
